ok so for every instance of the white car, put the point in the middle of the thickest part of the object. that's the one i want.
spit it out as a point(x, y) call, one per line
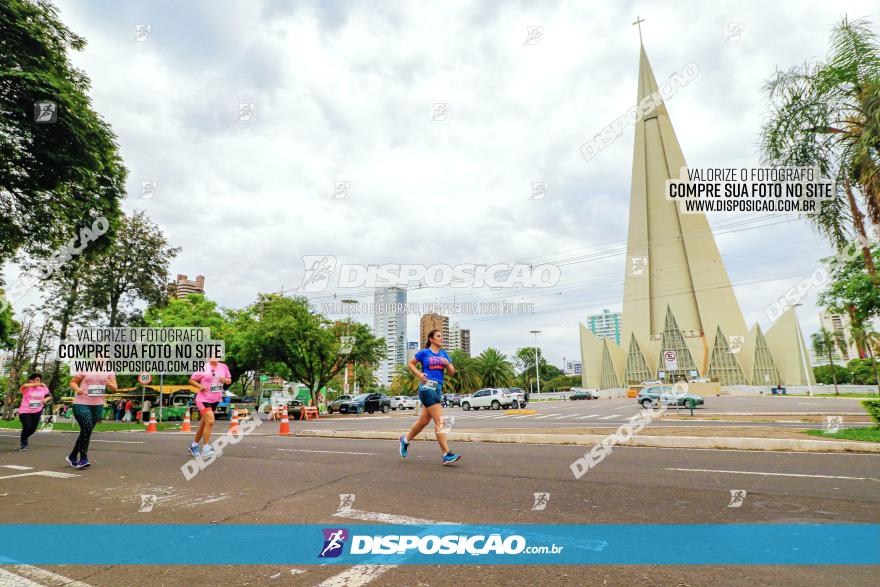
point(404, 402)
point(520, 398)
point(495, 398)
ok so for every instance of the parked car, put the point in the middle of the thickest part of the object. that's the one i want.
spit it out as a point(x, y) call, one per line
point(581, 393)
point(366, 402)
point(335, 405)
point(520, 397)
point(522, 391)
point(410, 402)
point(403, 402)
point(494, 397)
point(665, 394)
point(451, 399)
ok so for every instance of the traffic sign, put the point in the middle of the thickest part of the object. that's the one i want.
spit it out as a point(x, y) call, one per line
point(145, 378)
point(264, 378)
point(671, 358)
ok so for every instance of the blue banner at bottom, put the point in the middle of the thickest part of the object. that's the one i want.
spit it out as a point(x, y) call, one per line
point(519, 544)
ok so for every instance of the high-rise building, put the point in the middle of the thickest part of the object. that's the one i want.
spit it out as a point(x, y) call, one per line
point(466, 341)
point(573, 368)
point(182, 286)
point(392, 327)
point(680, 316)
point(840, 324)
point(412, 347)
point(431, 322)
point(605, 325)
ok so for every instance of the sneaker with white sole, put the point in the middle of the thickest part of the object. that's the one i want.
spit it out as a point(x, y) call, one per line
point(194, 449)
point(404, 446)
point(450, 458)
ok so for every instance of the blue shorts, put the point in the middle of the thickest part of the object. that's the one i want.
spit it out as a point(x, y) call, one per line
point(429, 397)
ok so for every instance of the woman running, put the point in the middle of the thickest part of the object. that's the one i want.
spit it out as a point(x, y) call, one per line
point(210, 381)
point(34, 395)
point(88, 404)
point(435, 362)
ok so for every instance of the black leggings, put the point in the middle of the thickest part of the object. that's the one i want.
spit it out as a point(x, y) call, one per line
point(29, 423)
point(86, 417)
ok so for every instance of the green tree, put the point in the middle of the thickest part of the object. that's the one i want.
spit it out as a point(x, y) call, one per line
point(828, 115)
point(467, 378)
point(134, 266)
point(494, 369)
point(851, 290)
point(403, 382)
point(53, 175)
point(825, 344)
point(832, 374)
point(865, 338)
point(310, 346)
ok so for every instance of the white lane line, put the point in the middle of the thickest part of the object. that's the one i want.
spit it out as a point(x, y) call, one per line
point(17, 467)
point(546, 416)
point(521, 417)
point(611, 416)
point(562, 417)
point(46, 577)
point(8, 579)
point(587, 417)
point(356, 576)
point(335, 452)
point(387, 518)
point(768, 474)
point(55, 474)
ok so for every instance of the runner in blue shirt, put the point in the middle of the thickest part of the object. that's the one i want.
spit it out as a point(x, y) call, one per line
point(435, 362)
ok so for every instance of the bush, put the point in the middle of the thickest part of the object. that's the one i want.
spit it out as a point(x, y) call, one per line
point(823, 374)
point(862, 371)
point(873, 408)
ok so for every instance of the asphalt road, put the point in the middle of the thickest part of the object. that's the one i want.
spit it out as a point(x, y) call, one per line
point(268, 479)
point(605, 413)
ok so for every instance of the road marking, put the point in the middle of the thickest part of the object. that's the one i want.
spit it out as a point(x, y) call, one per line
point(769, 474)
point(18, 467)
point(335, 452)
point(611, 416)
point(356, 576)
point(521, 417)
point(562, 416)
point(587, 416)
point(46, 577)
point(120, 441)
point(55, 474)
point(387, 518)
point(547, 416)
point(807, 404)
point(8, 579)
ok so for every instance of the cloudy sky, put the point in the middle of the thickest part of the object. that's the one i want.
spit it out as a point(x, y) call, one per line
point(345, 92)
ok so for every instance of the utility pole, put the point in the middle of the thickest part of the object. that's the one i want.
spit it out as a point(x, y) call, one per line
point(537, 370)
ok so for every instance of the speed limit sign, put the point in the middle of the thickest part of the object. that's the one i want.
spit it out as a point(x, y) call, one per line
point(145, 378)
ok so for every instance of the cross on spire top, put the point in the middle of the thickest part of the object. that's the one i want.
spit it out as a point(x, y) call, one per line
point(638, 22)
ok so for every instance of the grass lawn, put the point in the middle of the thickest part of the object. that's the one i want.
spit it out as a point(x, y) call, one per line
point(102, 427)
point(864, 395)
point(864, 434)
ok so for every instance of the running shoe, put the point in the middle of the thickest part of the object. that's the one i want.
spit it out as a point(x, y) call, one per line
point(83, 463)
point(23, 447)
point(404, 446)
point(194, 449)
point(450, 458)
point(208, 451)
point(70, 462)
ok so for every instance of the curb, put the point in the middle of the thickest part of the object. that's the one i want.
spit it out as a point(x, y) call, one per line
point(732, 443)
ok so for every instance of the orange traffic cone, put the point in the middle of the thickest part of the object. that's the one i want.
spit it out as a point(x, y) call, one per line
point(284, 429)
point(186, 423)
point(234, 426)
point(151, 427)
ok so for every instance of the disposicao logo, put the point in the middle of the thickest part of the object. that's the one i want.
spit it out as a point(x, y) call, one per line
point(334, 542)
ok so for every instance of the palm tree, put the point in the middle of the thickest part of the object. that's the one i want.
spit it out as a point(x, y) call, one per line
point(828, 116)
point(866, 338)
point(825, 342)
point(494, 368)
point(466, 379)
point(404, 382)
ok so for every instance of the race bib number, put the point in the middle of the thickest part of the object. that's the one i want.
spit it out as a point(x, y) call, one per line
point(216, 387)
point(35, 403)
point(429, 384)
point(97, 389)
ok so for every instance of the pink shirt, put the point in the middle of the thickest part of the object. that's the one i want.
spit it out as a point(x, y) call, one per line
point(94, 387)
point(210, 377)
point(32, 399)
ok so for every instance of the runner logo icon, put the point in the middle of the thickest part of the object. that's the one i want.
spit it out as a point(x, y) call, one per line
point(334, 542)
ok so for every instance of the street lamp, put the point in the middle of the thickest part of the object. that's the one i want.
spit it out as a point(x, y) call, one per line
point(801, 345)
point(348, 302)
point(537, 372)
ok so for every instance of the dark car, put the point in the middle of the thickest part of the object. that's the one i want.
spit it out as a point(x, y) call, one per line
point(451, 399)
point(578, 393)
point(665, 394)
point(336, 404)
point(366, 402)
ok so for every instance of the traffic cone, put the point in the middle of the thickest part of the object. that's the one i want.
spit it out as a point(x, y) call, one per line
point(233, 428)
point(151, 427)
point(284, 429)
point(186, 427)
